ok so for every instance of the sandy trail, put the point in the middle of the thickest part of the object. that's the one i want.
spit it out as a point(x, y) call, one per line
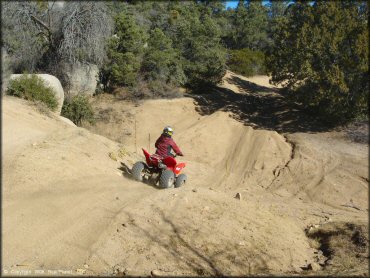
point(50, 206)
point(66, 204)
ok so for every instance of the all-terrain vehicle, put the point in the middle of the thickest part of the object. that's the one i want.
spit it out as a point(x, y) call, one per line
point(165, 173)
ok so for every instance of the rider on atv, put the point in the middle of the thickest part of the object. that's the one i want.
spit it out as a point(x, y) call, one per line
point(165, 144)
point(161, 167)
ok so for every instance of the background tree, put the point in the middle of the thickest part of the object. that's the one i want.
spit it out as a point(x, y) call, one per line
point(28, 31)
point(162, 61)
point(239, 19)
point(276, 13)
point(84, 28)
point(39, 36)
point(321, 54)
point(125, 51)
point(184, 46)
point(277, 9)
point(199, 41)
point(255, 29)
point(250, 26)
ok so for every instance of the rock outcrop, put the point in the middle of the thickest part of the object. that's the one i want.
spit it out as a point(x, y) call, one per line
point(83, 79)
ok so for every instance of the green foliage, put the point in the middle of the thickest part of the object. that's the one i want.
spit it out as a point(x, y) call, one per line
point(33, 88)
point(203, 55)
point(78, 109)
point(321, 54)
point(168, 42)
point(277, 11)
point(249, 26)
point(125, 50)
point(247, 62)
point(161, 61)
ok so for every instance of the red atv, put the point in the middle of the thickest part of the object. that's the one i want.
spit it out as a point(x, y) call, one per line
point(164, 172)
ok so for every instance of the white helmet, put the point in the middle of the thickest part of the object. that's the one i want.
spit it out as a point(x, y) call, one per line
point(168, 130)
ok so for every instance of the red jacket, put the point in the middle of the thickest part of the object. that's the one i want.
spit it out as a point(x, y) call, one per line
point(164, 144)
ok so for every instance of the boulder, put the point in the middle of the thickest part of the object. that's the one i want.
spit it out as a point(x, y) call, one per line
point(52, 82)
point(67, 121)
point(83, 79)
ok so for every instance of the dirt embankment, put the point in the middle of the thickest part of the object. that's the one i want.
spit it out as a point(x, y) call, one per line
point(68, 206)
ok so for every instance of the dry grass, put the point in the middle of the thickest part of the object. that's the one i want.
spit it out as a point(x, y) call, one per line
point(346, 245)
point(42, 108)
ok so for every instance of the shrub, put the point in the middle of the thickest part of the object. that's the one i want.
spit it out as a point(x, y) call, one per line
point(163, 90)
point(140, 91)
point(247, 62)
point(33, 88)
point(78, 109)
point(152, 89)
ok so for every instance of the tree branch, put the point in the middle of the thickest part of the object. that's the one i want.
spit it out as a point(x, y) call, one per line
point(41, 23)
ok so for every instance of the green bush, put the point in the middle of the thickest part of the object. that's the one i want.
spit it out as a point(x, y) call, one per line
point(247, 62)
point(78, 109)
point(33, 88)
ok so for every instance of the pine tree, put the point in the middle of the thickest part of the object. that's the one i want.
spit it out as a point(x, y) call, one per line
point(256, 26)
point(125, 51)
point(249, 26)
point(239, 23)
point(205, 58)
point(184, 46)
point(277, 9)
point(161, 61)
point(320, 53)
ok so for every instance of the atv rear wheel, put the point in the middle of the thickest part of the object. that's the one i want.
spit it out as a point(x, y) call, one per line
point(180, 180)
point(167, 179)
point(138, 171)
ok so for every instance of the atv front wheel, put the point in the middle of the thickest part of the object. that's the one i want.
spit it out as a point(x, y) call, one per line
point(167, 179)
point(138, 171)
point(180, 180)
